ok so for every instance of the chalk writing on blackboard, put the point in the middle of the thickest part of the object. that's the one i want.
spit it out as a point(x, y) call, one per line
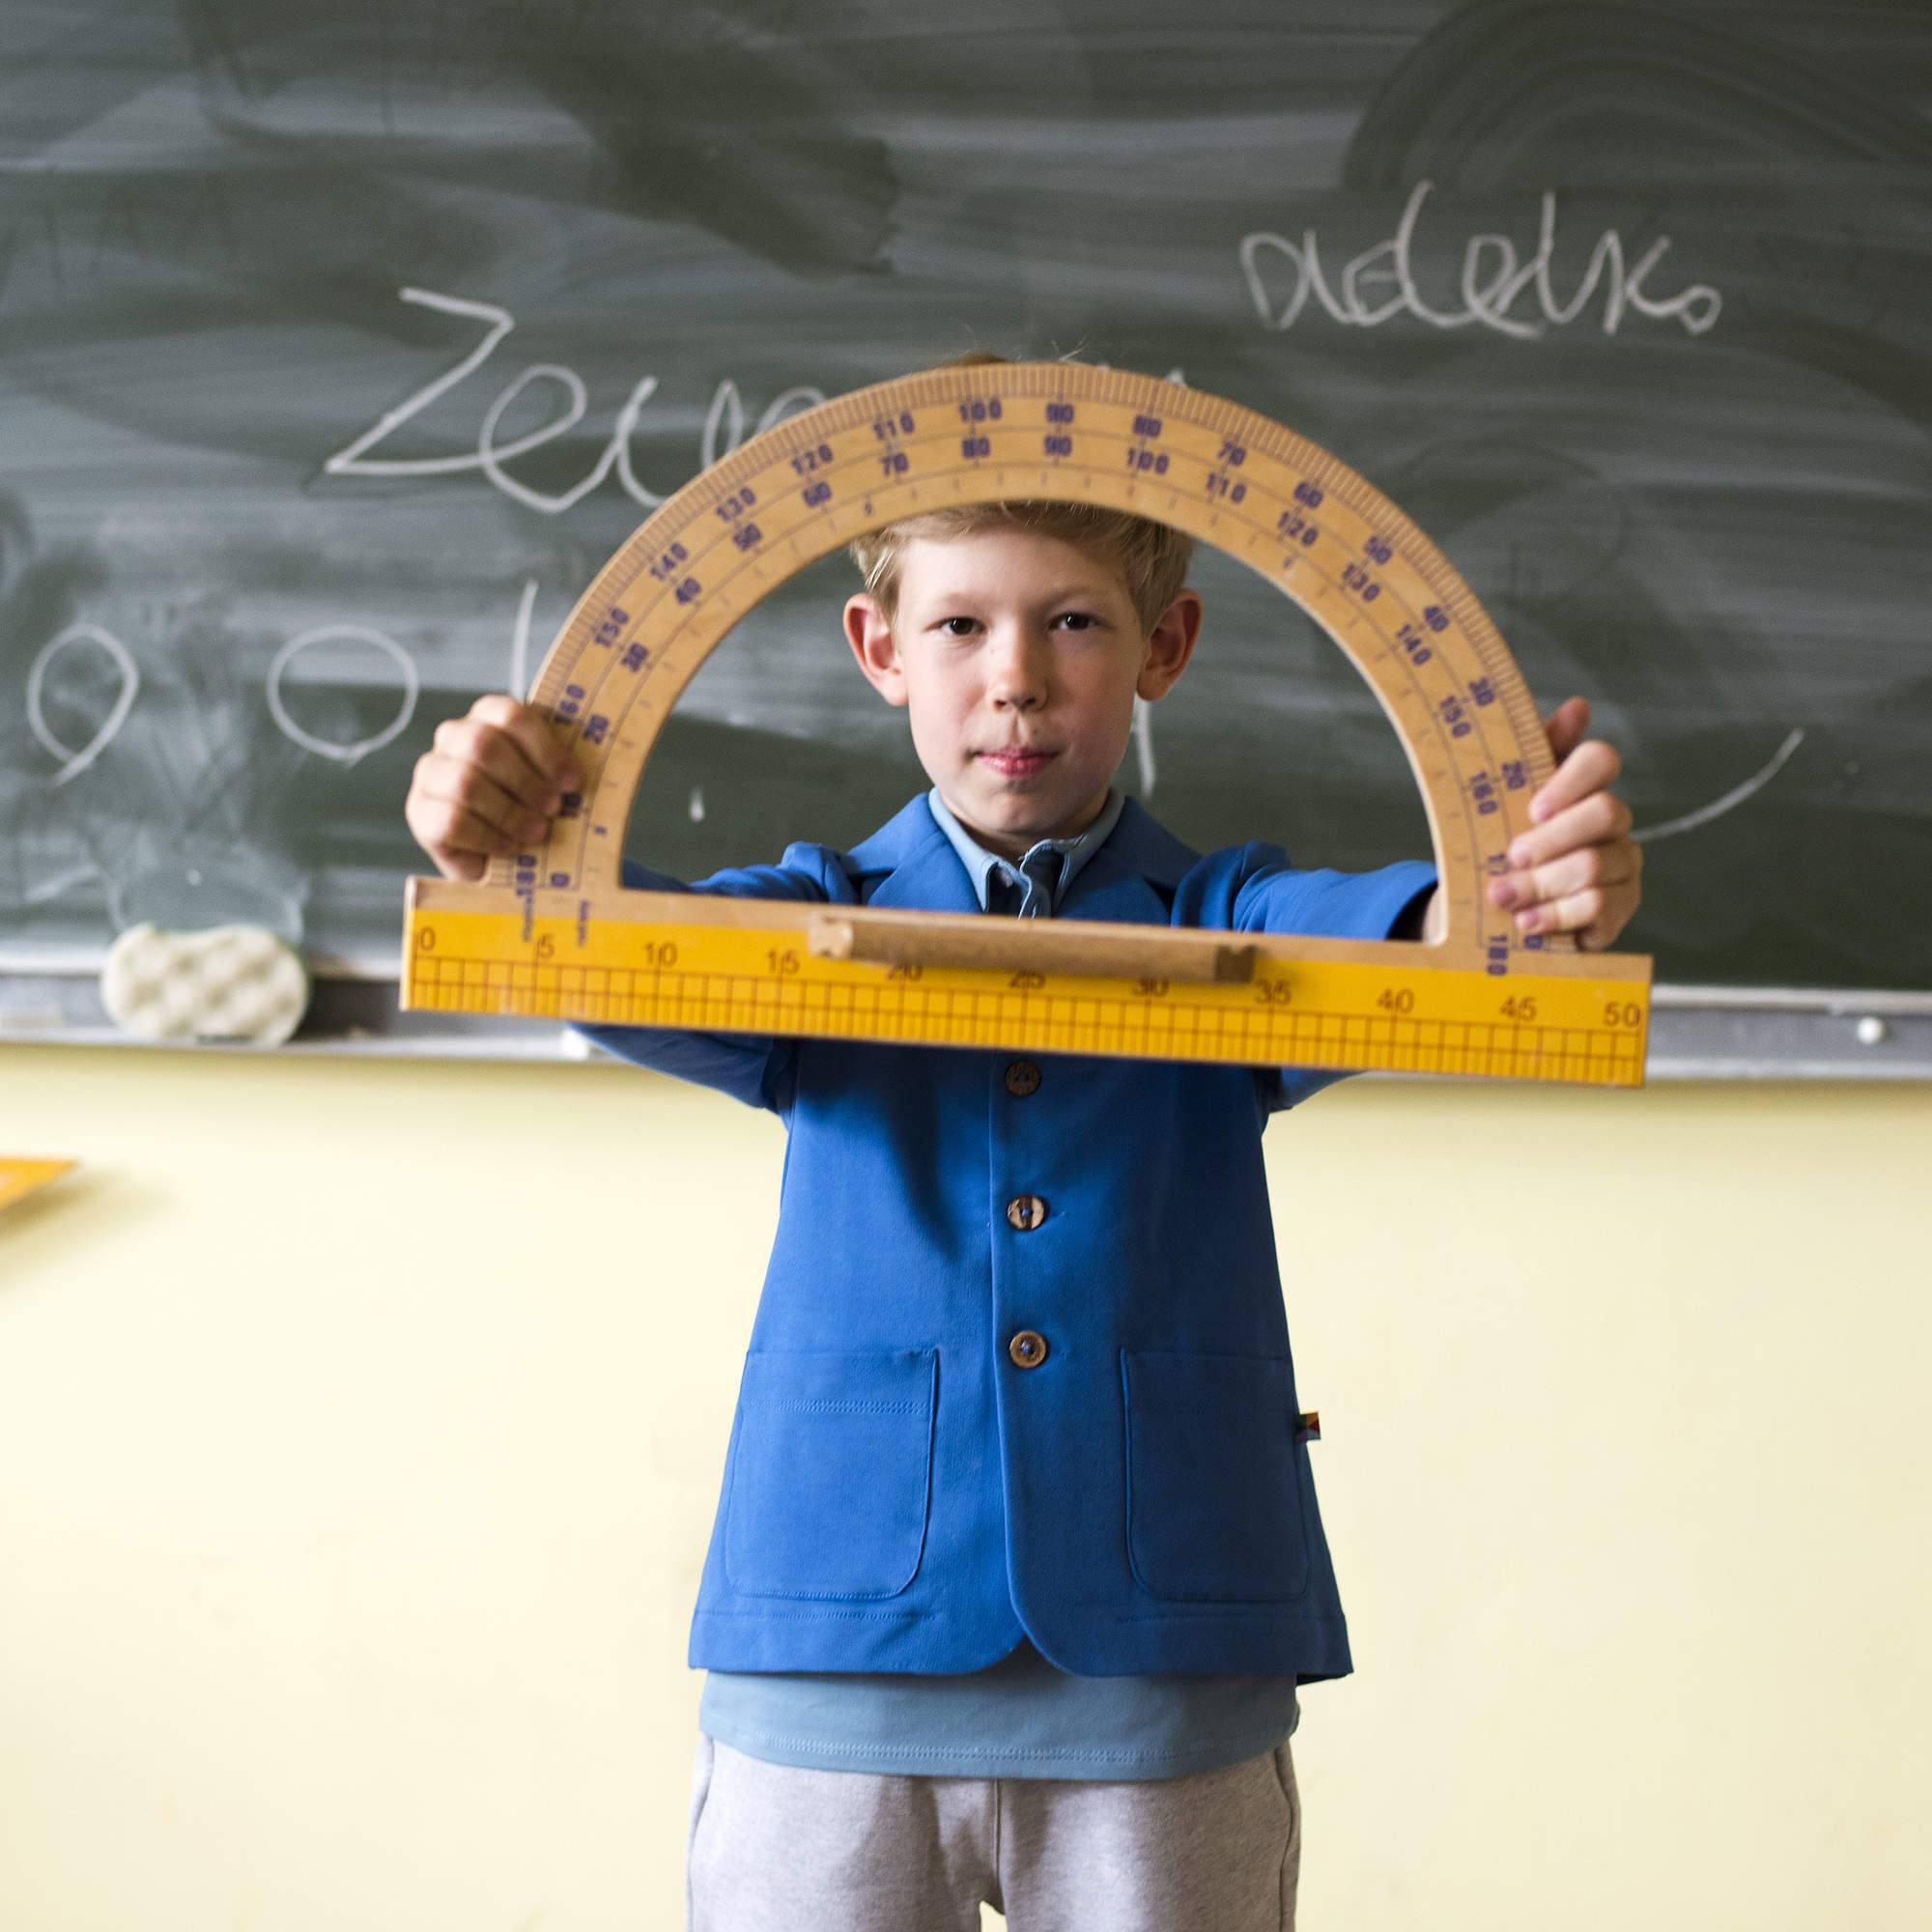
point(76, 762)
point(724, 417)
point(346, 754)
point(1729, 801)
point(1695, 307)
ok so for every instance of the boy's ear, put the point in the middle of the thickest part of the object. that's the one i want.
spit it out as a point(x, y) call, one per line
point(1169, 646)
point(871, 639)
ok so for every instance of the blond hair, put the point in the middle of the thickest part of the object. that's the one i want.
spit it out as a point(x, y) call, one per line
point(1150, 558)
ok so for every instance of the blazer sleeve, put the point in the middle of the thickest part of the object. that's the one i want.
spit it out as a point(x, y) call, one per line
point(757, 1069)
point(1261, 892)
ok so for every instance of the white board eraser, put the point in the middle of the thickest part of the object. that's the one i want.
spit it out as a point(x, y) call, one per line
point(227, 983)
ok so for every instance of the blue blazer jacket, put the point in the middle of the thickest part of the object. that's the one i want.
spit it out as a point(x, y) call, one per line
point(1020, 1363)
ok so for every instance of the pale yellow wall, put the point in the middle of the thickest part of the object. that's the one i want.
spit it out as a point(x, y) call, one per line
point(360, 1427)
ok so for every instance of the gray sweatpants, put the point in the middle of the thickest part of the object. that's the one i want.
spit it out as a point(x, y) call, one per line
point(779, 1848)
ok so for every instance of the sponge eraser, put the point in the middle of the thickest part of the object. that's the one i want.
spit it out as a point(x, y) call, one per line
point(227, 983)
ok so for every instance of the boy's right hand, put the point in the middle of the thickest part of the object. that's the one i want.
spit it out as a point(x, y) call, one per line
point(490, 782)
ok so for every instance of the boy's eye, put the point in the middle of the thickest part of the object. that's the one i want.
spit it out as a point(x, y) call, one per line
point(1082, 621)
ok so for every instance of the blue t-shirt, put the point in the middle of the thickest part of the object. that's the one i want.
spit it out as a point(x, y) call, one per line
point(1022, 1716)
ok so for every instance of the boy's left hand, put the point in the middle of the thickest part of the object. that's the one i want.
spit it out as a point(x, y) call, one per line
point(1577, 870)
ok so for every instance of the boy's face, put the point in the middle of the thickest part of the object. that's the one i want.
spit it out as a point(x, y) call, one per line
point(1019, 658)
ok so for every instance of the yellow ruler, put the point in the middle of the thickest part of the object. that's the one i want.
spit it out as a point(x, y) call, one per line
point(554, 932)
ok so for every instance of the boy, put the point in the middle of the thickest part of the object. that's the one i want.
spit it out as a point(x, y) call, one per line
point(1017, 1563)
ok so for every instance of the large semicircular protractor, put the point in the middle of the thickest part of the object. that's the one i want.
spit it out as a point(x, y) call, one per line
point(554, 930)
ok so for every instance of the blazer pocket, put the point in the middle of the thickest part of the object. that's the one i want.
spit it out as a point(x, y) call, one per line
point(831, 1473)
point(1214, 1510)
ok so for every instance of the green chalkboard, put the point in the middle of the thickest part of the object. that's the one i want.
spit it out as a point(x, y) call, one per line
point(344, 344)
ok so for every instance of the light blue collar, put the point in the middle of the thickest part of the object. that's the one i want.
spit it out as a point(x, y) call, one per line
point(1024, 878)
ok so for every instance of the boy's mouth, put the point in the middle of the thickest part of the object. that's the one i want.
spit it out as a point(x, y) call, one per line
point(1015, 763)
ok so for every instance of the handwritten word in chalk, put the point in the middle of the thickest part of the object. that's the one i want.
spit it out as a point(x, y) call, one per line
point(724, 418)
point(1281, 274)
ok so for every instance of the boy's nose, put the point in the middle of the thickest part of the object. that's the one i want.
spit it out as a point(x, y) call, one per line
point(1018, 674)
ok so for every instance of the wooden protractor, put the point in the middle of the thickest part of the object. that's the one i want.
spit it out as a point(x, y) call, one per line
point(554, 932)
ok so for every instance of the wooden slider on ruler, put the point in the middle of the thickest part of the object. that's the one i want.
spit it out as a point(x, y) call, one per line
point(977, 944)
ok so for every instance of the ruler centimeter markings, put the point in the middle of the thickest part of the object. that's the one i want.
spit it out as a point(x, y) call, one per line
point(554, 932)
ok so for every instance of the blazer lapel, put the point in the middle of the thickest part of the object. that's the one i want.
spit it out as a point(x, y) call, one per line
point(909, 862)
point(1133, 875)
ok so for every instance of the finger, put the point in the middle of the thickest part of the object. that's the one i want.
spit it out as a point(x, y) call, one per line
point(533, 735)
point(1566, 725)
point(1601, 906)
point(453, 832)
point(522, 739)
point(1607, 865)
point(1597, 913)
point(1592, 766)
point(468, 838)
point(1599, 818)
point(1594, 916)
point(473, 747)
point(470, 797)
point(461, 844)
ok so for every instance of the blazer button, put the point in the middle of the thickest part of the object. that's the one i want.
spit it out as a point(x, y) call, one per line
point(1022, 1078)
point(1026, 1210)
point(1028, 1349)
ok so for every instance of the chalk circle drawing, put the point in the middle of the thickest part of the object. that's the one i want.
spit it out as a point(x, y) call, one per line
point(77, 762)
point(347, 755)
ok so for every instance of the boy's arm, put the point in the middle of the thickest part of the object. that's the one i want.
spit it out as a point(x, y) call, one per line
point(751, 1068)
point(1578, 870)
point(1423, 919)
point(1270, 894)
